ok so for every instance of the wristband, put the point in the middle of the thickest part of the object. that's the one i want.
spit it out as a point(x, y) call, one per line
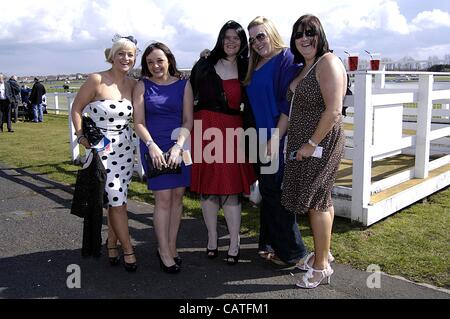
point(149, 142)
point(310, 142)
point(79, 138)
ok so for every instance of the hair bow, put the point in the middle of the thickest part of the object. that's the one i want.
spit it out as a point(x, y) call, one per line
point(117, 37)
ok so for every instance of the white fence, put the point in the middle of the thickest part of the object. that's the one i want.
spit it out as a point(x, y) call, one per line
point(379, 117)
point(378, 122)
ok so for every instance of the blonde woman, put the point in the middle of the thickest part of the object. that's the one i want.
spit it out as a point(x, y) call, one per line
point(106, 96)
point(271, 69)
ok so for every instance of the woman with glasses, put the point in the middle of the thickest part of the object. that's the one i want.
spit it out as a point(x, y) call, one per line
point(163, 121)
point(270, 71)
point(106, 96)
point(218, 92)
point(315, 140)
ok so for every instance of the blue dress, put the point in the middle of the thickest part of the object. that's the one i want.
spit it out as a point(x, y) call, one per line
point(163, 115)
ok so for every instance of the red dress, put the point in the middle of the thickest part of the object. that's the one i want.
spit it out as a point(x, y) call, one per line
point(220, 178)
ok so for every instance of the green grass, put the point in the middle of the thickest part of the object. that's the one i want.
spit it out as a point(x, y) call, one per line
point(413, 243)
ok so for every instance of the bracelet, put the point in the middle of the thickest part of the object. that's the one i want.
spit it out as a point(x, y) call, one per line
point(310, 142)
point(179, 146)
point(149, 142)
point(79, 138)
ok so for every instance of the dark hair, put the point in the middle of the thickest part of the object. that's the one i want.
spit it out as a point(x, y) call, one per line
point(173, 71)
point(308, 21)
point(242, 56)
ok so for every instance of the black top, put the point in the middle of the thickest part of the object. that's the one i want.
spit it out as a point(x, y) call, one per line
point(36, 93)
point(208, 89)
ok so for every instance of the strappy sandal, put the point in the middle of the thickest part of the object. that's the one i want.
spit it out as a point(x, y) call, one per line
point(113, 261)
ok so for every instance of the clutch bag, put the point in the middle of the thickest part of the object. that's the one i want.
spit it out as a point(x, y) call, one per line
point(154, 171)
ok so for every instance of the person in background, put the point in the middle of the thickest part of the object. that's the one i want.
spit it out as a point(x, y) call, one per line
point(15, 89)
point(25, 92)
point(317, 94)
point(218, 91)
point(44, 104)
point(163, 120)
point(6, 97)
point(270, 71)
point(37, 92)
point(106, 96)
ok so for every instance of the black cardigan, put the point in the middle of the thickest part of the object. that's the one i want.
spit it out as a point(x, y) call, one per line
point(208, 89)
point(87, 203)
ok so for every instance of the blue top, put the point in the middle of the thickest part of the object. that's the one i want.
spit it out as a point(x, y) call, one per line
point(267, 93)
point(163, 118)
point(268, 88)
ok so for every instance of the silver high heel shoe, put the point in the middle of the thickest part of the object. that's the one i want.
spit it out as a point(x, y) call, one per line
point(303, 263)
point(325, 274)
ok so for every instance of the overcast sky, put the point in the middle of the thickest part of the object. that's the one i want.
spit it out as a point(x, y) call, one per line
point(59, 37)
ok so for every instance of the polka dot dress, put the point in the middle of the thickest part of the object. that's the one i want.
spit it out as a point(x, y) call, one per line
point(113, 118)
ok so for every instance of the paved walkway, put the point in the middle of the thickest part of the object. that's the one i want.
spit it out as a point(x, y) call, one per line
point(39, 239)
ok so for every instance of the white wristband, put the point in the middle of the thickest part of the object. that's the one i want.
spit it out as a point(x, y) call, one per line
point(310, 142)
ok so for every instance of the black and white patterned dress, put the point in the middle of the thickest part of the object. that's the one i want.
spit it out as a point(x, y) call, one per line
point(113, 118)
point(308, 183)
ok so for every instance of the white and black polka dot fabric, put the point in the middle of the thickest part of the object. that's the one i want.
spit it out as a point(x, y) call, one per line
point(113, 118)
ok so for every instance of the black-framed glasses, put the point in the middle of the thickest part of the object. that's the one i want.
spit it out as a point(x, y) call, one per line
point(309, 34)
point(260, 37)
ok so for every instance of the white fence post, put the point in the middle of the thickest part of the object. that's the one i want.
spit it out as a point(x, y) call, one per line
point(362, 141)
point(424, 113)
point(74, 147)
point(57, 103)
point(380, 78)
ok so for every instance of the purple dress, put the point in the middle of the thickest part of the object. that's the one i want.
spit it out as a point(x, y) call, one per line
point(163, 115)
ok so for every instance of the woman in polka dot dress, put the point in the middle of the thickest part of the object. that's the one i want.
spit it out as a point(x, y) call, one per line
point(106, 97)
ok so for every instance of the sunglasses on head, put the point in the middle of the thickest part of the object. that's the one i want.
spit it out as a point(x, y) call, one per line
point(308, 33)
point(260, 37)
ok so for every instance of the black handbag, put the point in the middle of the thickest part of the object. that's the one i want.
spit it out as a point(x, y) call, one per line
point(93, 134)
point(154, 171)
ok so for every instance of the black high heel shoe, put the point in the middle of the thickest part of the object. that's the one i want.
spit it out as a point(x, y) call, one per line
point(130, 267)
point(177, 260)
point(233, 260)
point(212, 253)
point(174, 269)
point(113, 261)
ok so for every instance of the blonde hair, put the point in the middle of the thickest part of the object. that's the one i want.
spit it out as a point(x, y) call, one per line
point(274, 37)
point(120, 44)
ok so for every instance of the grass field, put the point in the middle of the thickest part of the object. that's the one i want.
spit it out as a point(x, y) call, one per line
point(413, 243)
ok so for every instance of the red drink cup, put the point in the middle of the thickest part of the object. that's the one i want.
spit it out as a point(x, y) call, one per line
point(353, 62)
point(375, 62)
